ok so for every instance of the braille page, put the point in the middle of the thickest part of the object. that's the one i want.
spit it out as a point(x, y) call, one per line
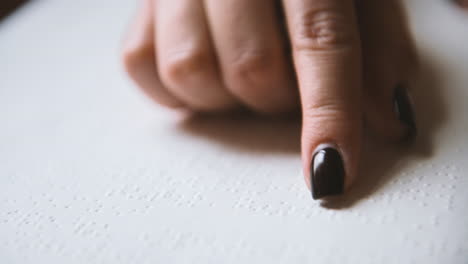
point(91, 171)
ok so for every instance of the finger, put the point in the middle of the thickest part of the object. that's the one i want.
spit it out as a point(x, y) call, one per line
point(139, 57)
point(389, 67)
point(186, 57)
point(326, 50)
point(462, 3)
point(248, 40)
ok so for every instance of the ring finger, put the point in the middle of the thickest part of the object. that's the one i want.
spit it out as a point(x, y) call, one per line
point(186, 57)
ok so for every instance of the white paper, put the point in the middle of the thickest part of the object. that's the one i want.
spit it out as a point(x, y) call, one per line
point(92, 172)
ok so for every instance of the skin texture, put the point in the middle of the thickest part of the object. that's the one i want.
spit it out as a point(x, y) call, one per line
point(326, 50)
point(339, 61)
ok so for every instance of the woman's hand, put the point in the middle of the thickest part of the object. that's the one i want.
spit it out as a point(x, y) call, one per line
point(341, 61)
point(462, 3)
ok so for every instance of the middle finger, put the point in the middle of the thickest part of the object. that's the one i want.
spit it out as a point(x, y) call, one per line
point(252, 54)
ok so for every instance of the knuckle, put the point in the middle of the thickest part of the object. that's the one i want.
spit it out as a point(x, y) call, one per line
point(322, 29)
point(134, 59)
point(178, 67)
point(330, 110)
point(140, 65)
point(258, 78)
point(251, 69)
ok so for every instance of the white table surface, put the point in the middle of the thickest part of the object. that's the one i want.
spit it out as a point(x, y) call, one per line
point(92, 172)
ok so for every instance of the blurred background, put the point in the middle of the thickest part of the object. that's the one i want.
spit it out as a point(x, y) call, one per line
point(91, 171)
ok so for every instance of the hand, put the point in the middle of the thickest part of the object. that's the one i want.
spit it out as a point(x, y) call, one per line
point(341, 61)
point(462, 3)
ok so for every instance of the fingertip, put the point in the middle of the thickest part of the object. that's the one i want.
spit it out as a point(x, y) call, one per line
point(327, 57)
point(331, 156)
point(390, 65)
point(403, 107)
point(391, 116)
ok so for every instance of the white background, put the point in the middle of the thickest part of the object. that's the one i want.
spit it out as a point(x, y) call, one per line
point(92, 172)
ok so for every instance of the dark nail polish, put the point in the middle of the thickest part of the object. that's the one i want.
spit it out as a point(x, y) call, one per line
point(327, 173)
point(403, 108)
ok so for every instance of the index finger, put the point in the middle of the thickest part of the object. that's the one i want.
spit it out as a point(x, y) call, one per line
point(326, 49)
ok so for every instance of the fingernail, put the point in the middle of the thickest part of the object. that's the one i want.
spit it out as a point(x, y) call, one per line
point(403, 108)
point(327, 173)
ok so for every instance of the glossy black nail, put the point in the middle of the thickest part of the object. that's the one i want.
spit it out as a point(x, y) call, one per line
point(403, 108)
point(327, 173)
